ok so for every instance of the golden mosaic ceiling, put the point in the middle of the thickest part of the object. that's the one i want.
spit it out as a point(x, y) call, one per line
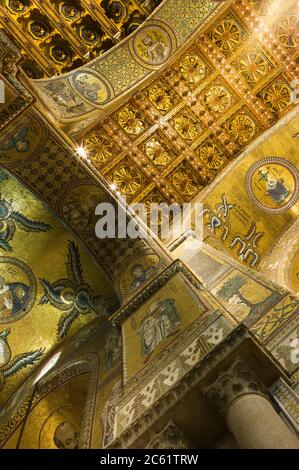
point(232, 83)
point(55, 36)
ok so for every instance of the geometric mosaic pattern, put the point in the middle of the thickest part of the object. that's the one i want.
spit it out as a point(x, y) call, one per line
point(279, 331)
point(287, 400)
point(287, 352)
point(211, 333)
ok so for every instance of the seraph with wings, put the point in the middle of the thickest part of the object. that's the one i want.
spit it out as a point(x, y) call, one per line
point(72, 295)
point(11, 366)
point(11, 219)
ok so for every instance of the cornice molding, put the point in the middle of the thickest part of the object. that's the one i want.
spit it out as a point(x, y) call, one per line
point(198, 374)
point(175, 268)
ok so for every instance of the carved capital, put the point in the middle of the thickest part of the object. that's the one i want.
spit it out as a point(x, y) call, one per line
point(236, 381)
point(171, 437)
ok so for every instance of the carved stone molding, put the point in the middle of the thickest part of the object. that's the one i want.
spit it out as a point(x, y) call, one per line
point(288, 402)
point(196, 375)
point(171, 437)
point(238, 380)
point(162, 278)
point(108, 414)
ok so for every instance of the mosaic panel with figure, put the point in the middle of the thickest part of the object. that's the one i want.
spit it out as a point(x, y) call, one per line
point(159, 321)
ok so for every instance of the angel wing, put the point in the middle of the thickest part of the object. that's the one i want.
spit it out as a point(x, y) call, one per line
point(65, 323)
point(73, 264)
point(5, 333)
point(21, 361)
point(21, 134)
point(5, 245)
point(52, 293)
point(30, 225)
point(99, 305)
point(3, 176)
point(7, 230)
point(8, 144)
point(2, 352)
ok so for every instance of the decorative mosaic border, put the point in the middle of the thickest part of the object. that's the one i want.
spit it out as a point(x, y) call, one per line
point(195, 375)
point(287, 400)
point(171, 352)
point(170, 13)
point(176, 267)
point(139, 401)
point(284, 163)
point(281, 330)
point(87, 363)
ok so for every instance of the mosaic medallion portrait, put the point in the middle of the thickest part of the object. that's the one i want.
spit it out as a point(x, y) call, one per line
point(137, 273)
point(272, 184)
point(61, 428)
point(17, 289)
point(22, 140)
point(92, 88)
point(77, 205)
point(153, 45)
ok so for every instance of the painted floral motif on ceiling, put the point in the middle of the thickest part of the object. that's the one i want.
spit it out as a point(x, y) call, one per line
point(217, 97)
point(63, 35)
point(134, 59)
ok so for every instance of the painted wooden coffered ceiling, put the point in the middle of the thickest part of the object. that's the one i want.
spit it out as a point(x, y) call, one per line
point(166, 142)
point(234, 81)
point(55, 36)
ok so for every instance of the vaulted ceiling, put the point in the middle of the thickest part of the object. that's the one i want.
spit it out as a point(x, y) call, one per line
point(56, 36)
point(234, 81)
point(166, 142)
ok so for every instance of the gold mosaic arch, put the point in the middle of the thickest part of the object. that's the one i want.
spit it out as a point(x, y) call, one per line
point(188, 123)
point(77, 202)
point(132, 61)
point(168, 142)
point(282, 261)
point(30, 323)
point(87, 363)
point(68, 186)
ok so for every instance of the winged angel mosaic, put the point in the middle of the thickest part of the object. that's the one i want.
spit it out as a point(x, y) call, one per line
point(72, 296)
point(10, 366)
point(11, 219)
